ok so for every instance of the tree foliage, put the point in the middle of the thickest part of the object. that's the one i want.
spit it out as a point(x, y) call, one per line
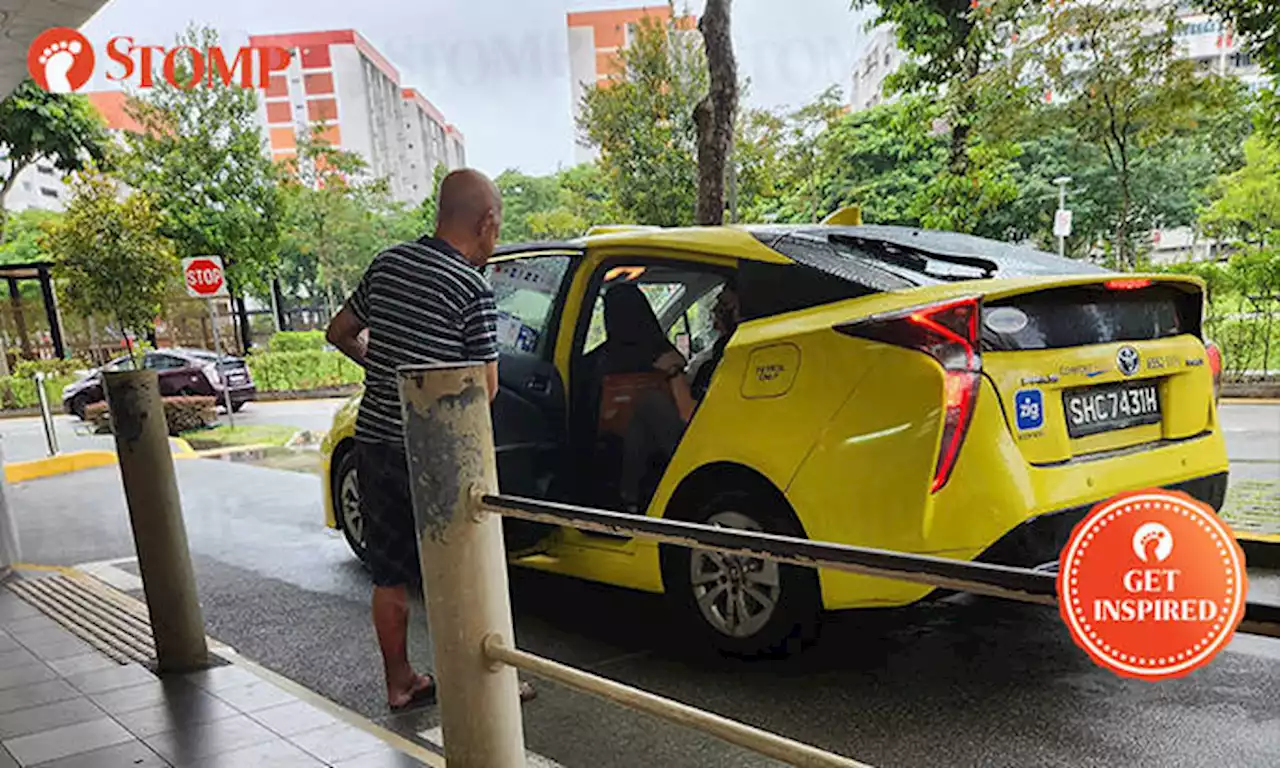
point(62, 128)
point(201, 157)
point(555, 207)
point(110, 257)
point(337, 217)
point(642, 122)
point(1247, 204)
point(1123, 88)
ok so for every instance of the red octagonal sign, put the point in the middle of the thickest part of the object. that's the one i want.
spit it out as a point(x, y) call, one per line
point(203, 276)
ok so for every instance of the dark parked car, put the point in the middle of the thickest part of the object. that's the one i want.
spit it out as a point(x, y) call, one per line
point(182, 372)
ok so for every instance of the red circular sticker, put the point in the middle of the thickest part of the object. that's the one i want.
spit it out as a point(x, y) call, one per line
point(1152, 584)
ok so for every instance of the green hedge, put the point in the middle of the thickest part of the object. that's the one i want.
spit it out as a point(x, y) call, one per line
point(20, 391)
point(1245, 344)
point(297, 341)
point(292, 371)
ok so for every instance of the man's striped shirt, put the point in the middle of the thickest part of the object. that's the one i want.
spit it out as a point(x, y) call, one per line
point(422, 303)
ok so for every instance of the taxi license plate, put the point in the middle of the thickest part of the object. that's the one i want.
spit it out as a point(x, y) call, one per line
point(1090, 410)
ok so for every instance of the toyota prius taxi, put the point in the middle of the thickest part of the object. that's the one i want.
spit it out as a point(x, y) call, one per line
point(911, 390)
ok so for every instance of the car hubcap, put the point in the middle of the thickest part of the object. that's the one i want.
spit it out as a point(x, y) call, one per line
point(349, 502)
point(737, 595)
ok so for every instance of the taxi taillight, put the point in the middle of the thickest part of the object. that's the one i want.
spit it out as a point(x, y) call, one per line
point(947, 332)
point(1214, 355)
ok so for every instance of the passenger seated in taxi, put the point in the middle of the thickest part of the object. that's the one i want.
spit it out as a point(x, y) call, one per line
point(658, 422)
point(634, 340)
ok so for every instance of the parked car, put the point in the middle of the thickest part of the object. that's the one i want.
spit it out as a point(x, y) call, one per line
point(181, 372)
point(905, 389)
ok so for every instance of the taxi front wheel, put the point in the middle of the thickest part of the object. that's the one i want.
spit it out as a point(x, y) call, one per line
point(744, 606)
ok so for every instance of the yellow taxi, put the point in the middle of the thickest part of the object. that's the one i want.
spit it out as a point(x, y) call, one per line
point(891, 387)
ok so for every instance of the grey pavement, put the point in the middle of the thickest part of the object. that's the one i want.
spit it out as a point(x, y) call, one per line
point(967, 681)
point(63, 704)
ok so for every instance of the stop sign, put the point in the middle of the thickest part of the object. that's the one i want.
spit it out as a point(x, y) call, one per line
point(203, 276)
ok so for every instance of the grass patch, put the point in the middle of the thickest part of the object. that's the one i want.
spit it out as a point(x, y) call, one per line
point(1253, 505)
point(227, 437)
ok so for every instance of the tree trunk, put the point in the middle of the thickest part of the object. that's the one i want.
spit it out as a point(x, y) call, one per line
point(1122, 227)
point(18, 166)
point(715, 114)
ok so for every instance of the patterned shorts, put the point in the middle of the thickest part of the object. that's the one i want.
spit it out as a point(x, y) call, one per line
point(390, 537)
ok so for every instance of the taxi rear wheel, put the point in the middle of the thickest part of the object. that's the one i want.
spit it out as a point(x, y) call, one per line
point(346, 503)
point(743, 606)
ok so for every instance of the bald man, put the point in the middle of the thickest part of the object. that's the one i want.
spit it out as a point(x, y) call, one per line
point(421, 302)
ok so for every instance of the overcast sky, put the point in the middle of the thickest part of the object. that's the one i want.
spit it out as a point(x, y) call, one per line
point(498, 69)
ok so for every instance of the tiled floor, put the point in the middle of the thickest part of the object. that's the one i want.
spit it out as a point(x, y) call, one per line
point(64, 705)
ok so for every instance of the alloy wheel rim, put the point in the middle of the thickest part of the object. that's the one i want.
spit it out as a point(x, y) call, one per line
point(349, 500)
point(736, 595)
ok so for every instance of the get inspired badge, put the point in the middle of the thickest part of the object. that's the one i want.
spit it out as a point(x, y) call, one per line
point(1152, 584)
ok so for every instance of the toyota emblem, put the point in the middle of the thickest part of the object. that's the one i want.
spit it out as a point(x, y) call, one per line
point(1128, 361)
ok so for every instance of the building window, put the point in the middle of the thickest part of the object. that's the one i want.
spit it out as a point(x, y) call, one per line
point(47, 170)
point(1241, 60)
point(47, 192)
point(27, 186)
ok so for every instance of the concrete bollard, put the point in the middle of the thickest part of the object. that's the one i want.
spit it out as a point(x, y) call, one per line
point(155, 513)
point(449, 445)
point(10, 553)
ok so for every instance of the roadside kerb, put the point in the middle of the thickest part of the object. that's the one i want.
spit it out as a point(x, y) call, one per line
point(74, 461)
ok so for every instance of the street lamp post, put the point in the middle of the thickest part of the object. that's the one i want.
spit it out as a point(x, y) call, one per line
point(1062, 182)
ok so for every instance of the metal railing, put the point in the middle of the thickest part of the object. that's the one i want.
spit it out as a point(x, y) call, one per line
point(452, 465)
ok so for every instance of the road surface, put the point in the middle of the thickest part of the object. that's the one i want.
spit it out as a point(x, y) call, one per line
point(24, 438)
point(966, 681)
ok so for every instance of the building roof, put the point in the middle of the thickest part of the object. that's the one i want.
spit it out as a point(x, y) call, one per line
point(328, 37)
point(412, 94)
point(453, 131)
point(111, 105)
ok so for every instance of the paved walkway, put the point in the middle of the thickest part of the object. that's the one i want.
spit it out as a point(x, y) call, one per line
point(65, 705)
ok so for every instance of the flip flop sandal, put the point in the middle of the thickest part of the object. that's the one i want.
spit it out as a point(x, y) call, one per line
point(424, 695)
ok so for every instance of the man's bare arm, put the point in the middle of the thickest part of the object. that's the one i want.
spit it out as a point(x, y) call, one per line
point(345, 333)
point(491, 379)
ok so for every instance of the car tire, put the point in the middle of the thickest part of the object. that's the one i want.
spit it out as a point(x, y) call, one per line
point(79, 404)
point(237, 407)
point(346, 503)
point(710, 591)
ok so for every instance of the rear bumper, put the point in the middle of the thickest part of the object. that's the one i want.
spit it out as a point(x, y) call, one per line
point(1040, 539)
point(241, 394)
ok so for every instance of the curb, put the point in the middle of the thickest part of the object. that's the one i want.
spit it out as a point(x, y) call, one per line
point(65, 463)
point(328, 393)
point(21, 471)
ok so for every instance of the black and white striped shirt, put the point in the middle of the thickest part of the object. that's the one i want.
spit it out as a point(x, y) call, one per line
point(422, 303)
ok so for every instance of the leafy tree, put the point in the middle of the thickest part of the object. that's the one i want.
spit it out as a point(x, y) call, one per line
point(642, 121)
point(554, 207)
point(1124, 89)
point(22, 236)
point(958, 54)
point(337, 218)
point(1247, 204)
point(110, 257)
point(201, 158)
point(63, 128)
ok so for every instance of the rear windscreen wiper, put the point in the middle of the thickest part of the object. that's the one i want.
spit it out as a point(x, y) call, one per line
point(917, 259)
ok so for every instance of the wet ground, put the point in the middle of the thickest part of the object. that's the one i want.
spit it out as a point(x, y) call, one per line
point(966, 682)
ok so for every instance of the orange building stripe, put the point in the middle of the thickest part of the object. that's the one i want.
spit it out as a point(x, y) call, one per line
point(283, 138)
